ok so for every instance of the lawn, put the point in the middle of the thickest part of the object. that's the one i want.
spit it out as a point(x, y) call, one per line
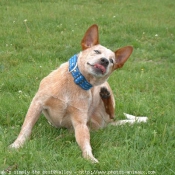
point(37, 36)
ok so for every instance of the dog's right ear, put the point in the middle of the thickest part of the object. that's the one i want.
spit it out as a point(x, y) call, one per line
point(122, 55)
point(90, 38)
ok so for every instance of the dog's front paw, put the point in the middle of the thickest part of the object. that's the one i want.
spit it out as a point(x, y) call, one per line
point(104, 93)
point(14, 146)
point(90, 157)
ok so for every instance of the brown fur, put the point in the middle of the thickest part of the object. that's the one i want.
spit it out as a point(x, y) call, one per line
point(65, 104)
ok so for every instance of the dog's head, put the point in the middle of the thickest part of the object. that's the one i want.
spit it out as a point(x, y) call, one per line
point(96, 62)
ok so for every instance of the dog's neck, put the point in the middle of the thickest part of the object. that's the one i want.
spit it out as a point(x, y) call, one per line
point(79, 79)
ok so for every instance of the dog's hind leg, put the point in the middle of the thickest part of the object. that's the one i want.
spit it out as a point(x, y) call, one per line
point(31, 118)
point(108, 102)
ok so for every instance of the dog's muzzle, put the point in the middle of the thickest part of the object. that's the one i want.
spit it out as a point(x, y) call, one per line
point(101, 66)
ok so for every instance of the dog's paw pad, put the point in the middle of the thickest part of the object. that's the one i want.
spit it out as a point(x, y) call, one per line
point(104, 93)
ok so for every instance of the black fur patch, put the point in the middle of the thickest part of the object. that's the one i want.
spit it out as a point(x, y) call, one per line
point(104, 93)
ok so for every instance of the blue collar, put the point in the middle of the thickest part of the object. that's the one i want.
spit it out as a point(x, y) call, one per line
point(79, 79)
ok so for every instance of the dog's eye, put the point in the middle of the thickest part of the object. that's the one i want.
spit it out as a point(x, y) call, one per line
point(111, 60)
point(97, 51)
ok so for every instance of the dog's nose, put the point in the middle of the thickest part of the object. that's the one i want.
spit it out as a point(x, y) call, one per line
point(104, 61)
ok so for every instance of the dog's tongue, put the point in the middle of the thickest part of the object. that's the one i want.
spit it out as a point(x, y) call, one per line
point(99, 66)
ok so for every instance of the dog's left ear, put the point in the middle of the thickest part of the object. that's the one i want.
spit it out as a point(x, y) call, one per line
point(90, 38)
point(121, 56)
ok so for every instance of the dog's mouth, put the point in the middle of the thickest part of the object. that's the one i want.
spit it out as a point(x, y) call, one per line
point(98, 67)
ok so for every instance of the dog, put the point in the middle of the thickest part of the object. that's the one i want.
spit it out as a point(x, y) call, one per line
point(77, 94)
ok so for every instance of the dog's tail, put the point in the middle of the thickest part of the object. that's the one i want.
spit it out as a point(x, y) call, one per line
point(131, 119)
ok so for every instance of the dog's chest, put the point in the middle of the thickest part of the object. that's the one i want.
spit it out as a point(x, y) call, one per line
point(60, 110)
point(63, 97)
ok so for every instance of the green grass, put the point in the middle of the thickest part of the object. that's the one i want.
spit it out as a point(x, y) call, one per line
point(37, 36)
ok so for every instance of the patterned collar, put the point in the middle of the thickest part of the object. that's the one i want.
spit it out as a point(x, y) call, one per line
point(79, 79)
